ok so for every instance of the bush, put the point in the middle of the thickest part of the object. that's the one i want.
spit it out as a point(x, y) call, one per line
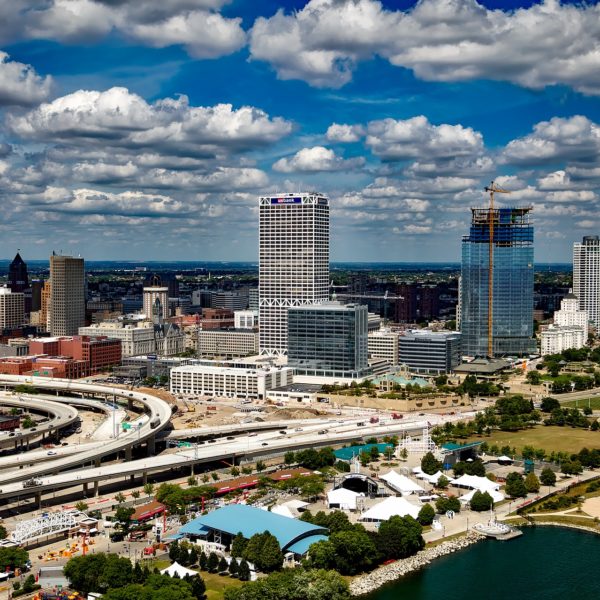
point(430, 464)
point(548, 477)
point(426, 515)
point(481, 501)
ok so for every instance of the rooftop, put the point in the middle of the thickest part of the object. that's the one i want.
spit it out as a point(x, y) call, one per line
point(352, 451)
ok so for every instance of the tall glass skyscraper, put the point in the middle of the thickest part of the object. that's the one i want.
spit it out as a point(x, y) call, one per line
point(512, 299)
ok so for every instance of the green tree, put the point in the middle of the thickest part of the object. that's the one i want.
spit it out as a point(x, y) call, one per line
point(203, 561)
point(148, 489)
point(233, 567)
point(223, 566)
point(426, 515)
point(355, 550)
point(430, 464)
point(12, 557)
point(532, 483)
point(260, 466)
point(238, 545)
point(123, 514)
point(174, 551)
point(481, 501)
point(289, 458)
point(198, 587)
point(400, 537)
point(81, 506)
point(213, 562)
point(244, 571)
point(442, 482)
point(515, 486)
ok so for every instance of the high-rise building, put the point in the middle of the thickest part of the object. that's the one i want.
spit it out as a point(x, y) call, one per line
point(11, 308)
point(67, 295)
point(586, 276)
point(18, 278)
point(293, 261)
point(512, 283)
point(424, 351)
point(328, 340)
point(570, 315)
point(156, 299)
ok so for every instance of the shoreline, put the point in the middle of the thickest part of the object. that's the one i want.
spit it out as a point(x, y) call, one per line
point(561, 524)
point(370, 582)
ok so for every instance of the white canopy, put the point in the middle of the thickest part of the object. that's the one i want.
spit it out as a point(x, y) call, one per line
point(345, 499)
point(282, 510)
point(477, 483)
point(402, 484)
point(504, 459)
point(417, 470)
point(295, 504)
point(390, 507)
point(179, 569)
point(496, 496)
point(433, 479)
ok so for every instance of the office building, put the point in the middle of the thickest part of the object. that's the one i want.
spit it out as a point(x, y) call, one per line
point(512, 283)
point(556, 338)
point(245, 319)
point(18, 278)
point(228, 382)
point(383, 344)
point(328, 340)
point(11, 308)
point(570, 315)
point(156, 303)
point(227, 343)
point(293, 261)
point(586, 276)
point(424, 351)
point(67, 295)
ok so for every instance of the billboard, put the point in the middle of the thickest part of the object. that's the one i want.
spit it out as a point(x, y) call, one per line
point(287, 200)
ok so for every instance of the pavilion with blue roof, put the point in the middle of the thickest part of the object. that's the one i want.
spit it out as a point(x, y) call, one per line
point(223, 524)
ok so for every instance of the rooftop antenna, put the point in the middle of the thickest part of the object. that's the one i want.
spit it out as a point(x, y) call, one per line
point(492, 189)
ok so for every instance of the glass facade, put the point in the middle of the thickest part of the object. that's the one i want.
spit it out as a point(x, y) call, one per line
point(328, 340)
point(512, 302)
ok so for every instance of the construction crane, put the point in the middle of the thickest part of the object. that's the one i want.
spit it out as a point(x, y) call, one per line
point(492, 189)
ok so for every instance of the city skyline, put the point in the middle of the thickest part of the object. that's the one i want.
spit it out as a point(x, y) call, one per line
point(148, 132)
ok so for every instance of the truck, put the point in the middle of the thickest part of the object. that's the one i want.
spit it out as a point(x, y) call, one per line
point(33, 482)
point(374, 420)
point(397, 416)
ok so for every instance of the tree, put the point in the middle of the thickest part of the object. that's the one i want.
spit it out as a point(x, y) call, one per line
point(81, 506)
point(354, 549)
point(198, 587)
point(400, 537)
point(233, 567)
point(213, 562)
point(3, 532)
point(223, 566)
point(264, 552)
point(430, 464)
point(238, 545)
point(120, 498)
point(12, 557)
point(442, 482)
point(571, 467)
point(174, 551)
point(404, 454)
point(135, 494)
point(98, 572)
point(532, 483)
point(443, 505)
point(192, 481)
point(148, 489)
point(123, 514)
point(534, 378)
point(193, 558)
point(481, 501)
point(244, 571)
point(260, 466)
point(549, 404)
point(426, 515)
point(515, 486)
point(289, 458)
point(203, 561)
point(234, 471)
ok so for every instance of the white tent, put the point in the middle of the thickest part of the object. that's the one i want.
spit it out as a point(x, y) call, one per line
point(179, 569)
point(282, 510)
point(496, 496)
point(433, 479)
point(503, 458)
point(417, 471)
point(390, 507)
point(476, 483)
point(345, 499)
point(295, 504)
point(402, 484)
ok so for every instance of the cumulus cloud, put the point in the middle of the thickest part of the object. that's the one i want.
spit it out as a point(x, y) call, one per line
point(574, 139)
point(20, 85)
point(392, 139)
point(317, 158)
point(344, 133)
point(195, 24)
point(440, 40)
point(121, 118)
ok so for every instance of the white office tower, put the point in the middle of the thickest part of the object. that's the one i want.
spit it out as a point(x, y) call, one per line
point(11, 308)
point(586, 276)
point(294, 261)
point(66, 313)
point(156, 299)
point(569, 315)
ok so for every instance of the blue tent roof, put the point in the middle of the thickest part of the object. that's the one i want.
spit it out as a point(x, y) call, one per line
point(352, 451)
point(248, 520)
point(301, 546)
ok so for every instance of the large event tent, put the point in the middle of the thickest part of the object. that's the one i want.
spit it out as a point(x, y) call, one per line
point(402, 484)
point(390, 507)
point(474, 482)
point(179, 569)
point(343, 498)
point(496, 496)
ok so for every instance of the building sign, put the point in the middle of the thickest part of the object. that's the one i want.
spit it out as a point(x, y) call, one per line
point(287, 200)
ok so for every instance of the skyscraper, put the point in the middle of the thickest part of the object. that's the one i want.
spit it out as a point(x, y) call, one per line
point(156, 298)
point(11, 308)
point(67, 295)
point(294, 261)
point(586, 276)
point(511, 284)
point(18, 279)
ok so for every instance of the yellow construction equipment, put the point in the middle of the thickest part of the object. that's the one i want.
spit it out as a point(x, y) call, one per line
point(492, 189)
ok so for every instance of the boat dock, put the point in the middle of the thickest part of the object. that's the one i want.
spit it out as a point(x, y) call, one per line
point(498, 531)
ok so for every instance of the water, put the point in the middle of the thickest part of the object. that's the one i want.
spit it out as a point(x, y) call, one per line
point(546, 563)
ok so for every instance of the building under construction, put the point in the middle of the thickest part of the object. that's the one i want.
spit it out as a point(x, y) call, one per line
point(497, 283)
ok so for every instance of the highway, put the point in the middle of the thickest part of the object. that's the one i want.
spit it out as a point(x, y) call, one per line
point(159, 415)
point(261, 445)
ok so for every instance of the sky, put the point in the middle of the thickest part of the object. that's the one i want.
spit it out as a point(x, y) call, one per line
point(147, 130)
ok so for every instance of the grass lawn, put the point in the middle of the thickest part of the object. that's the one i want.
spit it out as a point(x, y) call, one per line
point(593, 403)
point(550, 438)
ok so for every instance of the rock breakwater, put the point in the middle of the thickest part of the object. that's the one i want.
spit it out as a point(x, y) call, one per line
point(364, 584)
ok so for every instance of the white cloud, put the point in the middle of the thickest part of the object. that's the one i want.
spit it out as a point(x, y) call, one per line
point(20, 85)
point(344, 133)
point(575, 139)
point(118, 117)
point(316, 159)
point(440, 40)
point(392, 139)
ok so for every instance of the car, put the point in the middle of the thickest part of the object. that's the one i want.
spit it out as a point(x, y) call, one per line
point(298, 429)
point(64, 443)
point(254, 434)
point(230, 437)
point(283, 432)
point(264, 444)
point(421, 414)
point(323, 432)
point(51, 453)
point(33, 429)
point(211, 441)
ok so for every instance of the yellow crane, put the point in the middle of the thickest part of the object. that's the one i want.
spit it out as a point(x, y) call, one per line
point(492, 189)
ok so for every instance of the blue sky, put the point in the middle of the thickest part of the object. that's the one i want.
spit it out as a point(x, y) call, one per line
point(147, 130)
